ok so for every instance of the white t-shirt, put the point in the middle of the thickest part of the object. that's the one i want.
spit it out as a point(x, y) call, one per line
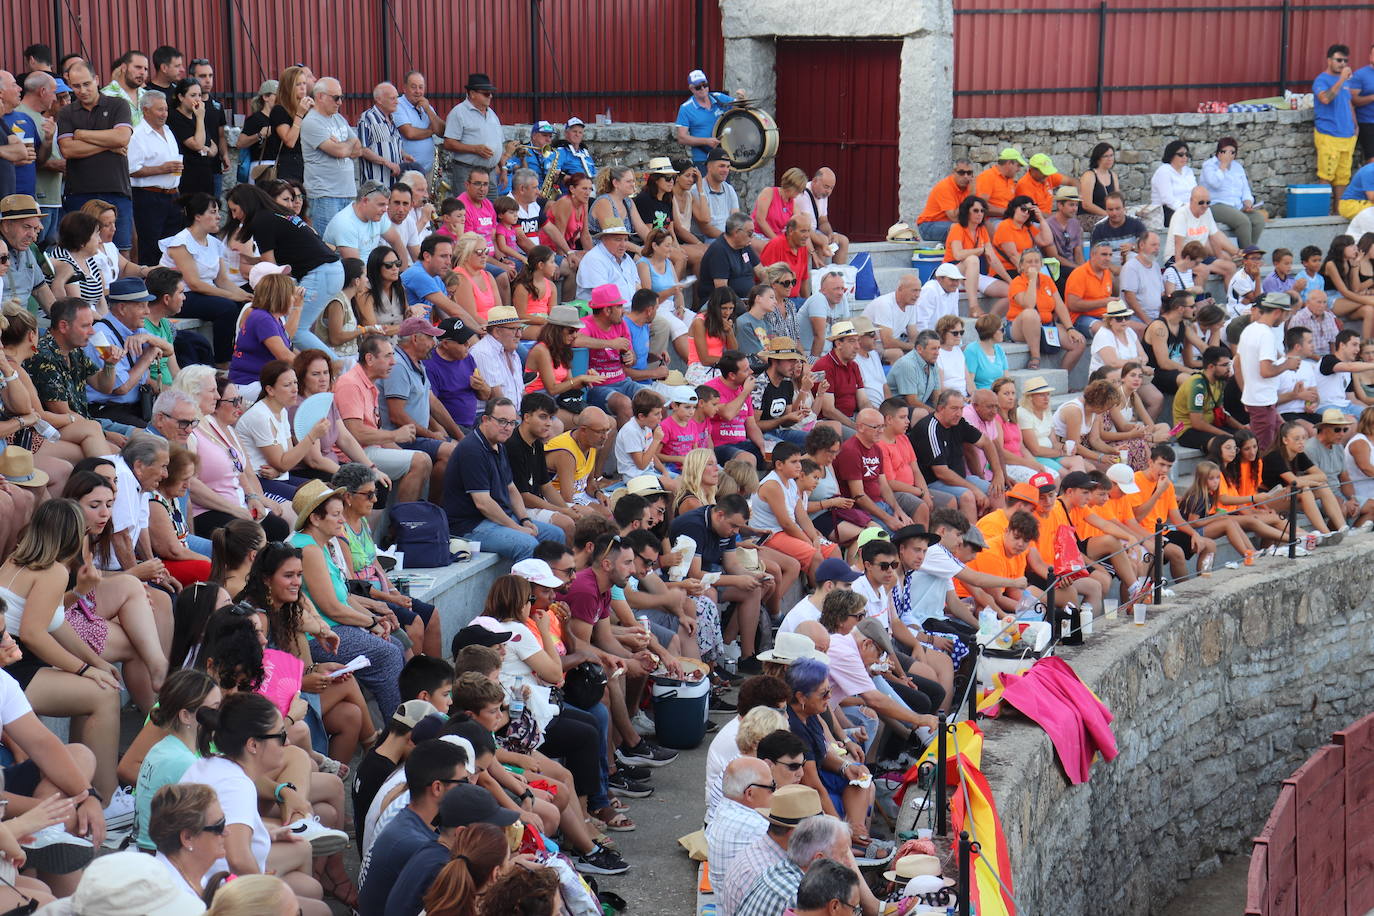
point(13, 704)
point(953, 369)
point(1191, 228)
point(871, 368)
point(406, 230)
point(1306, 375)
point(817, 306)
point(879, 599)
point(632, 438)
point(521, 645)
point(259, 427)
point(800, 613)
point(929, 586)
point(239, 799)
point(934, 303)
point(348, 231)
point(1257, 343)
point(131, 503)
point(1332, 386)
point(885, 312)
point(1146, 282)
point(723, 750)
point(1104, 338)
point(207, 256)
point(1241, 285)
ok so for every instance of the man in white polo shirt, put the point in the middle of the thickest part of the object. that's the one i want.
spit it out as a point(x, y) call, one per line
point(939, 297)
point(894, 315)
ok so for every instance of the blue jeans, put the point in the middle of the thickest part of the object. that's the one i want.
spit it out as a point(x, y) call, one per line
point(602, 715)
point(320, 285)
point(323, 209)
point(599, 395)
point(934, 231)
point(124, 214)
point(509, 543)
point(795, 436)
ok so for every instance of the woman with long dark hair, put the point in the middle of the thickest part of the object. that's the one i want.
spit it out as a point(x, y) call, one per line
point(1099, 180)
point(200, 257)
point(383, 301)
point(533, 292)
point(711, 334)
point(266, 433)
point(186, 691)
point(969, 247)
point(1287, 464)
point(1341, 270)
point(550, 359)
point(199, 148)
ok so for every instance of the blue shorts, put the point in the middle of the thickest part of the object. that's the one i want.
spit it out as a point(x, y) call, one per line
point(1084, 324)
point(424, 444)
point(599, 395)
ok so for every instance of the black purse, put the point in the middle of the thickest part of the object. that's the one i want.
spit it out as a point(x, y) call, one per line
point(584, 685)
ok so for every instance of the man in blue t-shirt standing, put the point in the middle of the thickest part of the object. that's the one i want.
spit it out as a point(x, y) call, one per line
point(1334, 121)
point(696, 119)
point(1362, 94)
point(19, 146)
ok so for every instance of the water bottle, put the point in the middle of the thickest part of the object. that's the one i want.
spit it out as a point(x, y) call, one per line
point(47, 430)
point(517, 697)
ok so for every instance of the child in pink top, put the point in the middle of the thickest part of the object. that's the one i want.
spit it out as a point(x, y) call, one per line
point(506, 241)
point(453, 214)
point(683, 430)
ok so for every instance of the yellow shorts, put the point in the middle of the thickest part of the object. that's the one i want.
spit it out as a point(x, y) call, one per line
point(1334, 155)
point(1349, 208)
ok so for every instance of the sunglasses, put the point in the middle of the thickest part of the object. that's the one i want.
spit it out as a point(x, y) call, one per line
point(181, 424)
point(237, 402)
point(771, 787)
point(956, 333)
point(390, 264)
point(336, 98)
point(370, 495)
point(274, 736)
point(792, 767)
point(887, 565)
point(217, 828)
point(651, 564)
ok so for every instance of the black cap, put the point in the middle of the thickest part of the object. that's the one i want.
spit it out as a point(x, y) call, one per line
point(428, 728)
point(476, 635)
point(902, 535)
point(1076, 480)
point(716, 154)
point(453, 329)
point(480, 81)
point(466, 804)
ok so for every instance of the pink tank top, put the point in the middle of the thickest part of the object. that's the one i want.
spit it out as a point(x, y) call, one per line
point(560, 373)
point(483, 293)
point(779, 211)
point(714, 347)
point(540, 305)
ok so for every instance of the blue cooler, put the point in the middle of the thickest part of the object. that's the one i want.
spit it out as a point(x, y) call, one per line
point(926, 260)
point(680, 712)
point(1308, 200)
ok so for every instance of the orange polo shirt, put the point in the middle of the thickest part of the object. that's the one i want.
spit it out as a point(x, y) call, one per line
point(945, 196)
point(1163, 506)
point(968, 241)
point(995, 189)
point(1042, 192)
point(1087, 283)
point(1044, 296)
point(995, 561)
point(1007, 231)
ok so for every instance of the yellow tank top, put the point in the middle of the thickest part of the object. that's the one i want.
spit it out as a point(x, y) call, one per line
point(584, 461)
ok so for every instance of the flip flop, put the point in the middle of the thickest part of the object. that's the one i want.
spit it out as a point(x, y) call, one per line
point(618, 823)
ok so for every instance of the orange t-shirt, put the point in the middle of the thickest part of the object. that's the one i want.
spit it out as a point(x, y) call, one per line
point(1008, 232)
point(995, 189)
point(1042, 192)
point(995, 561)
point(1044, 296)
point(1048, 526)
point(1118, 509)
point(968, 241)
point(945, 196)
point(898, 460)
point(1163, 506)
point(1086, 529)
point(993, 524)
point(1085, 283)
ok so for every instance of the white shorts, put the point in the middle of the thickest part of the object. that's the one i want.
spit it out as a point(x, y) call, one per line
point(393, 462)
point(541, 515)
point(984, 281)
point(676, 327)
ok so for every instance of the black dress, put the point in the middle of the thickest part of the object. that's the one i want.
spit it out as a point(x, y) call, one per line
point(198, 171)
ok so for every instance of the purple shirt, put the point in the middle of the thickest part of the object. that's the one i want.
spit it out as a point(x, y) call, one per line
point(451, 381)
point(250, 350)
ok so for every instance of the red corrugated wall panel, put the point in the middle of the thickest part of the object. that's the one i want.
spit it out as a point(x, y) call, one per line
point(631, 56)
point(1054, 45)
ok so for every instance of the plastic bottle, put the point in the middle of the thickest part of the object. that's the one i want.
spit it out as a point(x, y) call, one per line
point(517, 698)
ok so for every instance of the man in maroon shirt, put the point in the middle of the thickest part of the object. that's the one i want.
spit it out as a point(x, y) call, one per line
point(842, 373)
point(859, 469)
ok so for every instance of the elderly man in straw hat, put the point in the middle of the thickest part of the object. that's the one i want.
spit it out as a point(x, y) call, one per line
point(843, 374)
point(496, 357)
point(609, 262)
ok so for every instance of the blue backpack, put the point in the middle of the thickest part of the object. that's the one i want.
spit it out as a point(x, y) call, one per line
point(421, 531)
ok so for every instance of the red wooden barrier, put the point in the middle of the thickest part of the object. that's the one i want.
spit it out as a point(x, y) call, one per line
point(1257, 881)
point(1281, 854)
point(1320, 801)
point(1358, 743)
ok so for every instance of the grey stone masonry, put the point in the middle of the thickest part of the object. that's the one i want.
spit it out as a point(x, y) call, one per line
point(1224, 691)
point(1275, 146)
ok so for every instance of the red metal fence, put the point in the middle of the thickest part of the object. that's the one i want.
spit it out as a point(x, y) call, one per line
point(549, 58)
point(1057, 57)
point(1315, 851)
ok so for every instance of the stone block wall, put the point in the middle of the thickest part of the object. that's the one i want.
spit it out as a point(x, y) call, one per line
point(1225, 691)
point(1275, 146)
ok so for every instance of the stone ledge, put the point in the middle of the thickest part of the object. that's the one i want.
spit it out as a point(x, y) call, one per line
point(1224, 692)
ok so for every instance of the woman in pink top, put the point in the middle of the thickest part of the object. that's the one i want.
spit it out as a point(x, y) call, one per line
point(1020, 465)
point(711, 334)
point(775, 205)
point(476, 290)
point(534, 293)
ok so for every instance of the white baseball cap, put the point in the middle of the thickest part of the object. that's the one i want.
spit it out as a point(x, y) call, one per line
point(1123, 477)
point(537, 571)
point(696, 76)
point(684, 394)
point(263, 269)
point(949, 272)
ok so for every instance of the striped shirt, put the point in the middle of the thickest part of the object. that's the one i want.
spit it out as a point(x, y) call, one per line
point(744, 871)
point(86, 274)
point(733, 829)
point(378, 132)
point(774, 891)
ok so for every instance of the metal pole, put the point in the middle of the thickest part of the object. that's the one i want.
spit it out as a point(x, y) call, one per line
point(1285, 21)
point(699, 18)
point(233, 66)
point(973, 684)
point(1158, 562)
point(1051, 613)
point(965, 863)
point(535, 30)
point(1292, 521)
point(941, 787)
point(57, 30)
point(386, 42)
point(1101, 50)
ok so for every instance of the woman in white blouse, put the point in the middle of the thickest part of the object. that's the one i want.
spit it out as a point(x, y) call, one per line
point(1173, 181)
point(265, 430)
point(200, 257)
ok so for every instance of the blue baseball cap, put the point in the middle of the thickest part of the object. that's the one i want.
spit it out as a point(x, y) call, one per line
point(62, 85)
point(541, 127)
point(835, 570)
point(129, 289)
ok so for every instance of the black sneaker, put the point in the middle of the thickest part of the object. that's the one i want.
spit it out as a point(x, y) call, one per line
point(749, 666)
point(641, 774)
point(601, 861)
point(645, 754)
point(720, 704)
point(728, 677)
point(621, 785)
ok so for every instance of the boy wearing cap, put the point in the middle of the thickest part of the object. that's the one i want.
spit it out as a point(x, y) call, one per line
point(997, 183)
point(385, 756)
point(930, 600)
point(1259, 364)
point(1157, 502)
point(1005, 556)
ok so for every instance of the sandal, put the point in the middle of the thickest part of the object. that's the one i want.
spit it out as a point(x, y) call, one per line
point(618, 804)
point(1033, 363)
point(617, 822)
point(868, 851)
point(341, 889)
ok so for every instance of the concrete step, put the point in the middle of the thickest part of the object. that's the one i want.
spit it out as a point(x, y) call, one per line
point(889, 277)
point(885, 254)
point(1057, 379)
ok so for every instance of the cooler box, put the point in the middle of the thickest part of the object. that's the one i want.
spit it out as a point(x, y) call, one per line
point(1308, 200)
point(680, 712)
point(926, 260)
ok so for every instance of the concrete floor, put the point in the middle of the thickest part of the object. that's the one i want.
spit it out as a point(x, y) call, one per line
point(1220, 893)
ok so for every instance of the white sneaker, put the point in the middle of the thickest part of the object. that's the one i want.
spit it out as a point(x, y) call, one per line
point(119, 813)
point(55, 851)
point(324, 841)
point(1365, 527)
point(925, 734)
point(643, 724)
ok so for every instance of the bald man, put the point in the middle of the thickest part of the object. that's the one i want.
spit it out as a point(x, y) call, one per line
point(815, 202)
point(1195, 223)
point(859, 469)
point(737, 824)
point(572, 460)
point(894, 315)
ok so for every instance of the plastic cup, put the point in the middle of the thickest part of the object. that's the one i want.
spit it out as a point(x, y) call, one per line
point(1110, 607)
point(1139, 613)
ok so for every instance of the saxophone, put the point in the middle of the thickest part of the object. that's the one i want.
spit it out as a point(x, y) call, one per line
point(438, 187)
point(548, 190)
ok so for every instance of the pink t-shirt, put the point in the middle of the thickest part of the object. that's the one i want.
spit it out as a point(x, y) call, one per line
point(507, 233)
point(479, 218)
point(679, 440)
point(847, 670)
point(605, 360)
point(728, 432)
point(1011, 436)
point(990, 428)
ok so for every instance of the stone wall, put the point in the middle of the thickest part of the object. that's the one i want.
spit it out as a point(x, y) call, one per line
point(1275, 146)
point(1222, 694)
